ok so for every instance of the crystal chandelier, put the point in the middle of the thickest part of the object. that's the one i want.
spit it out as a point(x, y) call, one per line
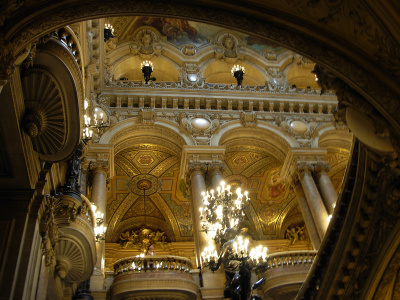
point(222, 212)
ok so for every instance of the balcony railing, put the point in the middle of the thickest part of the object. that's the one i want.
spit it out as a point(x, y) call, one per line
point(291, 258)
point(285, 273)
point(156, 263)
point(153, 277)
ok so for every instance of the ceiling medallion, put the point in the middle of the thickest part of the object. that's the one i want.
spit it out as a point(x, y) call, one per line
point(144, 182)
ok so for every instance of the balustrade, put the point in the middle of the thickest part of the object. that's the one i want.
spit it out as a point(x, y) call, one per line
point(284, 273)
point(156, 263)
point(153, 277)
point(290, 258)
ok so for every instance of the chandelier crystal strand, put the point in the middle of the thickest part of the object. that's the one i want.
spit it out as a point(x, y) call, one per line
point(222, 212)
point(220, 219)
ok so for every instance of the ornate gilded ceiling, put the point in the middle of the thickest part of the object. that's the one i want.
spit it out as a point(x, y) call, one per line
point(146, 191)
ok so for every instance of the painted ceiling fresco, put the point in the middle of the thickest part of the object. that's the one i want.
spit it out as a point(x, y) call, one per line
point(180, 32)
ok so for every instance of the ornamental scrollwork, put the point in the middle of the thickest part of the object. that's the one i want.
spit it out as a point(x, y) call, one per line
point(67, 210)
point(142, 238)
point(49, 230)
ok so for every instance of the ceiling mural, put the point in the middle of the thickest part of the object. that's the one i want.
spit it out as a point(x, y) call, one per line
point(146, 192)
point(254, 169)
point(143, 172)
point(180, 32)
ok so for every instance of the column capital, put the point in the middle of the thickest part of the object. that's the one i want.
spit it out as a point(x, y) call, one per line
point(321, 167)
point(100, 166)
point(217, 166)
point(300, 159)
point(200, 155)
point(100, 158)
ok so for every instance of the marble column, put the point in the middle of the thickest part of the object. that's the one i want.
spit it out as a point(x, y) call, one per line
point(99, 197)
point(314, 200)
point(328, 192)
point(197, 182)
point(307, 216)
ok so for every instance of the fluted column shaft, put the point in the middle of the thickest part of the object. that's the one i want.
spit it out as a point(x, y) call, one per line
point(198, 186)
point(307, 216)
point(327, 190)
point(315, 203)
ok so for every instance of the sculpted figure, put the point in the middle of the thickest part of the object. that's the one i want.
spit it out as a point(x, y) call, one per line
point(293, 234)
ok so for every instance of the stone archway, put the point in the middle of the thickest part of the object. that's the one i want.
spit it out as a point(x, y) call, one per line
point(370, 70)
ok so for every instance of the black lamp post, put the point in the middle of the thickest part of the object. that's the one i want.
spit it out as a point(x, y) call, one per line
point(238, 73)
point(147, 69)
point(108, 32)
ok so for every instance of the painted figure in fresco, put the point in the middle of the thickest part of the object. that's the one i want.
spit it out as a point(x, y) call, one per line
point(276, 187)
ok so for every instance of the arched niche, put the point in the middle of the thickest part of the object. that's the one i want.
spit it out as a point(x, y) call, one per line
point(271, 138)
point(130, 68)
point(220, 72)
point(289, 28)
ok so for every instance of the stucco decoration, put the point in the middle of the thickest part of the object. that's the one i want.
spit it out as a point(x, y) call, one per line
point(228, 47)
point(145, 42)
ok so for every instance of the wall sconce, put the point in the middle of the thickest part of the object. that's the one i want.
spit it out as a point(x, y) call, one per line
point(108, 32)
point(238, 72)
point(147, 69)
point(99, 229)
